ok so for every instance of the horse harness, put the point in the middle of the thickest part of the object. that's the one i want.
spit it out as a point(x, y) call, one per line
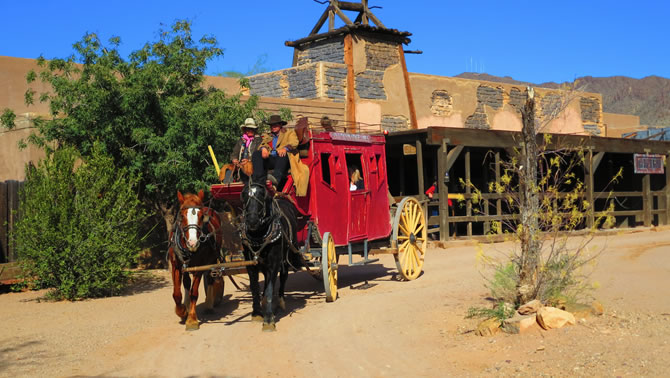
point(273, 233)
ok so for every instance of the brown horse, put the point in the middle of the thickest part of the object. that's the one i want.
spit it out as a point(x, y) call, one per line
point(195, 241)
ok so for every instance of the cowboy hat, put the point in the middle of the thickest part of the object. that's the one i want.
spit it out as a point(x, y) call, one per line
point(249, 124)
point(275, 119)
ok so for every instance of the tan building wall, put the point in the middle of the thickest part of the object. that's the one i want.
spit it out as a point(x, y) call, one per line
point(618, 124)
point(455, 102)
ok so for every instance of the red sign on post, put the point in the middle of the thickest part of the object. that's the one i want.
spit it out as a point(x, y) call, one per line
point(648, 163)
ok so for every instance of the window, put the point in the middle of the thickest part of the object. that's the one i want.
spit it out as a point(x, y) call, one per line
point(325, 168)
point(355, 171)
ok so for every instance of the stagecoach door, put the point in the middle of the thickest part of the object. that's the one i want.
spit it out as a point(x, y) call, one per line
point(359, 194)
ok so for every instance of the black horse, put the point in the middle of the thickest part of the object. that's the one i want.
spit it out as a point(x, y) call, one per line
point(268, 230)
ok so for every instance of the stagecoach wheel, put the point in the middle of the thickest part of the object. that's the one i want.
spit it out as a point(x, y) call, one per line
point(409, 237)
point(329, 267)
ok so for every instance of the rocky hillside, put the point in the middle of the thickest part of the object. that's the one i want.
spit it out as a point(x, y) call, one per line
point(648, 98)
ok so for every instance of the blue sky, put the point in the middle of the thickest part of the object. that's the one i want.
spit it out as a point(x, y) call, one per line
point(534, 41)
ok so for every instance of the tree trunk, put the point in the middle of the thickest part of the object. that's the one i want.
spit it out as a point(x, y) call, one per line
point(529, 232)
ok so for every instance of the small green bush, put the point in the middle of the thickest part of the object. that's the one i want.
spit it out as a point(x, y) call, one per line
point(78, 226)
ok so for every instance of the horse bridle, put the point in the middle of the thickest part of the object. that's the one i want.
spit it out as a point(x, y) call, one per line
point(202, 236)
point(252, 195)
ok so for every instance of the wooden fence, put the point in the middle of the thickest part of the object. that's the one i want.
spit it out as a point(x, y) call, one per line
point(9, 206)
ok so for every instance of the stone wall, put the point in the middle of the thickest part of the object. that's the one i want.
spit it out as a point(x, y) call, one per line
point(331, 50)
point(267, 85)
point(380, 55)
point(335, 81)
point(370, 85)
point(394, 123)
point(302, 82)
point(441, 103)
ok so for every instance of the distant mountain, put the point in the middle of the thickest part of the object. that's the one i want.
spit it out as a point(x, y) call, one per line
point(648, 98)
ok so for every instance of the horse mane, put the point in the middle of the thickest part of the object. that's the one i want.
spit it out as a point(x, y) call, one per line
point(191, 200)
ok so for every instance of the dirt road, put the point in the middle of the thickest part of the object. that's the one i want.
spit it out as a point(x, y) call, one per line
point(378, 327)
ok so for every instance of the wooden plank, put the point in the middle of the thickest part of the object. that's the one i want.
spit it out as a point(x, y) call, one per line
point(376, 20)
point(596, 160)
point(331, 19)
point(4, 247)
point(444, 191)
point(351, 94)
point(349, 6)
point(408, 89)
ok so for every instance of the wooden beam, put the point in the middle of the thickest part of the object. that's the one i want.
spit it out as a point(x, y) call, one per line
point(408, 89)
point(419, 168)
point(349, 6)
point(453, 155)
point(376, 20)
point(331, 20)
point(365, 12)
point(351, 93)
point(588, 181)
point(343, 16)
point(321, 21)
point(442, 158)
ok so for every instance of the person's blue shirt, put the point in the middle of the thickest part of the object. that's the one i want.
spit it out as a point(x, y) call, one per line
point(274, 144)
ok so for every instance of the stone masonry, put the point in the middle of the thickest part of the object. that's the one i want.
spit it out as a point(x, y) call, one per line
point(380, 55)
point(551, 105)
point(590, 109)
point(440, 103)
point(331, 50)
point(394, 123)
point(266, 85)
point(302, 82)
point(517, 98)
point(336, 79)
point(370, 85)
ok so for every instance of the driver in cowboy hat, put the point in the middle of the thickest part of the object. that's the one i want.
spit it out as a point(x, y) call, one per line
point(274, 152)
point(248, 143)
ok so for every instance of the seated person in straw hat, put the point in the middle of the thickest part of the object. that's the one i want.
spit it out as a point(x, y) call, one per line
point(274, 152)
point(248, 143)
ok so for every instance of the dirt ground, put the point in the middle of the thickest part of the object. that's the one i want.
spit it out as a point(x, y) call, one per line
point(378, 327)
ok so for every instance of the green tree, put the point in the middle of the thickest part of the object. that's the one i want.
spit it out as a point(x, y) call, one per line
point(78, 230)
point(150, 113)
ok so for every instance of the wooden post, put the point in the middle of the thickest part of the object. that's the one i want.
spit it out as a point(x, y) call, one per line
point(444, 191)
point(588, 180)
point(408, 88)
point(498, 201)
point(419, 168)
point(468, 190)
point(351, 93)
point(646, 200)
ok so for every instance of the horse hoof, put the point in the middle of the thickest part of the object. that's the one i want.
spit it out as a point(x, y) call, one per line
point(269, 327)
point(256, 318)
point(282, 304)
point(192, 326)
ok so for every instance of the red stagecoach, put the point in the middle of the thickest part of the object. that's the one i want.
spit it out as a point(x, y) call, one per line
point(337, 218)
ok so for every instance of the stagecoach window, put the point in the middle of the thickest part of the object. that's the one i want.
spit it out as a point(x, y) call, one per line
point(381, 175)
point(355, 171)
point(325, 168)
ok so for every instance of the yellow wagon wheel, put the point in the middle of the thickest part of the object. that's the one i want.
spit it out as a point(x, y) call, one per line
point(329, 267)
point(409, 237)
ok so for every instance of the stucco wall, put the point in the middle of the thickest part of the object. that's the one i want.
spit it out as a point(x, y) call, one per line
point(618, 124)
point(455, 102)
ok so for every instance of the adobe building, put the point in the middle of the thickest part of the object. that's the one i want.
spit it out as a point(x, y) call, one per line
point(363, 67)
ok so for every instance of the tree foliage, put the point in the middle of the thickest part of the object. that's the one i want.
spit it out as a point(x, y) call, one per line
point(149, 112)
point(78, 229)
